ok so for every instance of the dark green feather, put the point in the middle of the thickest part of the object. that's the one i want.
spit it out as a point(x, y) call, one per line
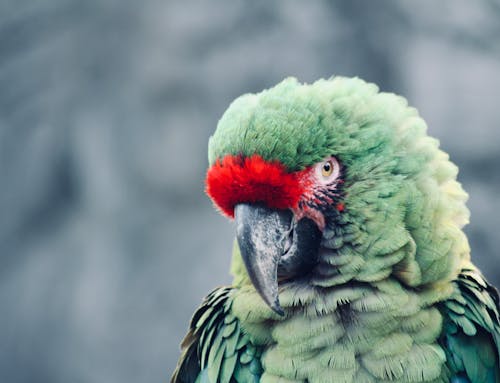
point(215, 345)
point(471, 333)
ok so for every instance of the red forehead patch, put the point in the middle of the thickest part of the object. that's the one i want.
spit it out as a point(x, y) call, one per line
point(238, 179)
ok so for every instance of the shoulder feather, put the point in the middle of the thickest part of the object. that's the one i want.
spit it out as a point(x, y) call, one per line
point(471, 333)
point(215, 348)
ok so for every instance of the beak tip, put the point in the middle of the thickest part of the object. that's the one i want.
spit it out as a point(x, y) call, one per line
point(276, 307)
point(280, 312)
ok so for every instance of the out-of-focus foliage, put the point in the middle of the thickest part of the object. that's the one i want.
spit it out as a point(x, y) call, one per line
point(107, 242)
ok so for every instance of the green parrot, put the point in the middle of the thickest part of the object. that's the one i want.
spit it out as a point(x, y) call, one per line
point(350, 263)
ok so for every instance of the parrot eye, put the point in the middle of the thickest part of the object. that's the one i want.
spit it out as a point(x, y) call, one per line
point(328, 170)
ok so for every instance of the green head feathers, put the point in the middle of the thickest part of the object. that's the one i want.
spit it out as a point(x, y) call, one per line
point(404, 209)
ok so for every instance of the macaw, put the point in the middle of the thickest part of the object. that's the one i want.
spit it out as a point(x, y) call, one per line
point(350, 263)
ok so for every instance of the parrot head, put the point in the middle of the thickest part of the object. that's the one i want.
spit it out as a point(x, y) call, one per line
point(335, 182)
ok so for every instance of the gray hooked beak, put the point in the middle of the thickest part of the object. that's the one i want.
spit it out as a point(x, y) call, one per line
point(272, 244)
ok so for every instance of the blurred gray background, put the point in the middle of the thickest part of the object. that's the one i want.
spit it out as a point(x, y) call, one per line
point(107, 241)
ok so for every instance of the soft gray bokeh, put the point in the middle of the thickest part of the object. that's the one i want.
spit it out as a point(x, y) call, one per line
point(107, 241)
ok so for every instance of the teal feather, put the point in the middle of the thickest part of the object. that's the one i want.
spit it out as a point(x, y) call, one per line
point(471, 334)
point(215, 348)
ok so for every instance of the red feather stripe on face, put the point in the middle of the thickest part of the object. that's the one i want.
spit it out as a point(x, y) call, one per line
point(238, 179)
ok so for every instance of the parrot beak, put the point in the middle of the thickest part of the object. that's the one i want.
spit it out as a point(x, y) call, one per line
point(272, 244)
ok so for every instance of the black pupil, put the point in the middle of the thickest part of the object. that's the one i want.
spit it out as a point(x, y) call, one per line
point(327, 167)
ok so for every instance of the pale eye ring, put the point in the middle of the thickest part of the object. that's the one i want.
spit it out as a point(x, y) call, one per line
point(328, 170)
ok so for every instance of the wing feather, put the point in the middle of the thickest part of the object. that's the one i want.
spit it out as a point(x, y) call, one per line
point(214, 344)
point(471, 332)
